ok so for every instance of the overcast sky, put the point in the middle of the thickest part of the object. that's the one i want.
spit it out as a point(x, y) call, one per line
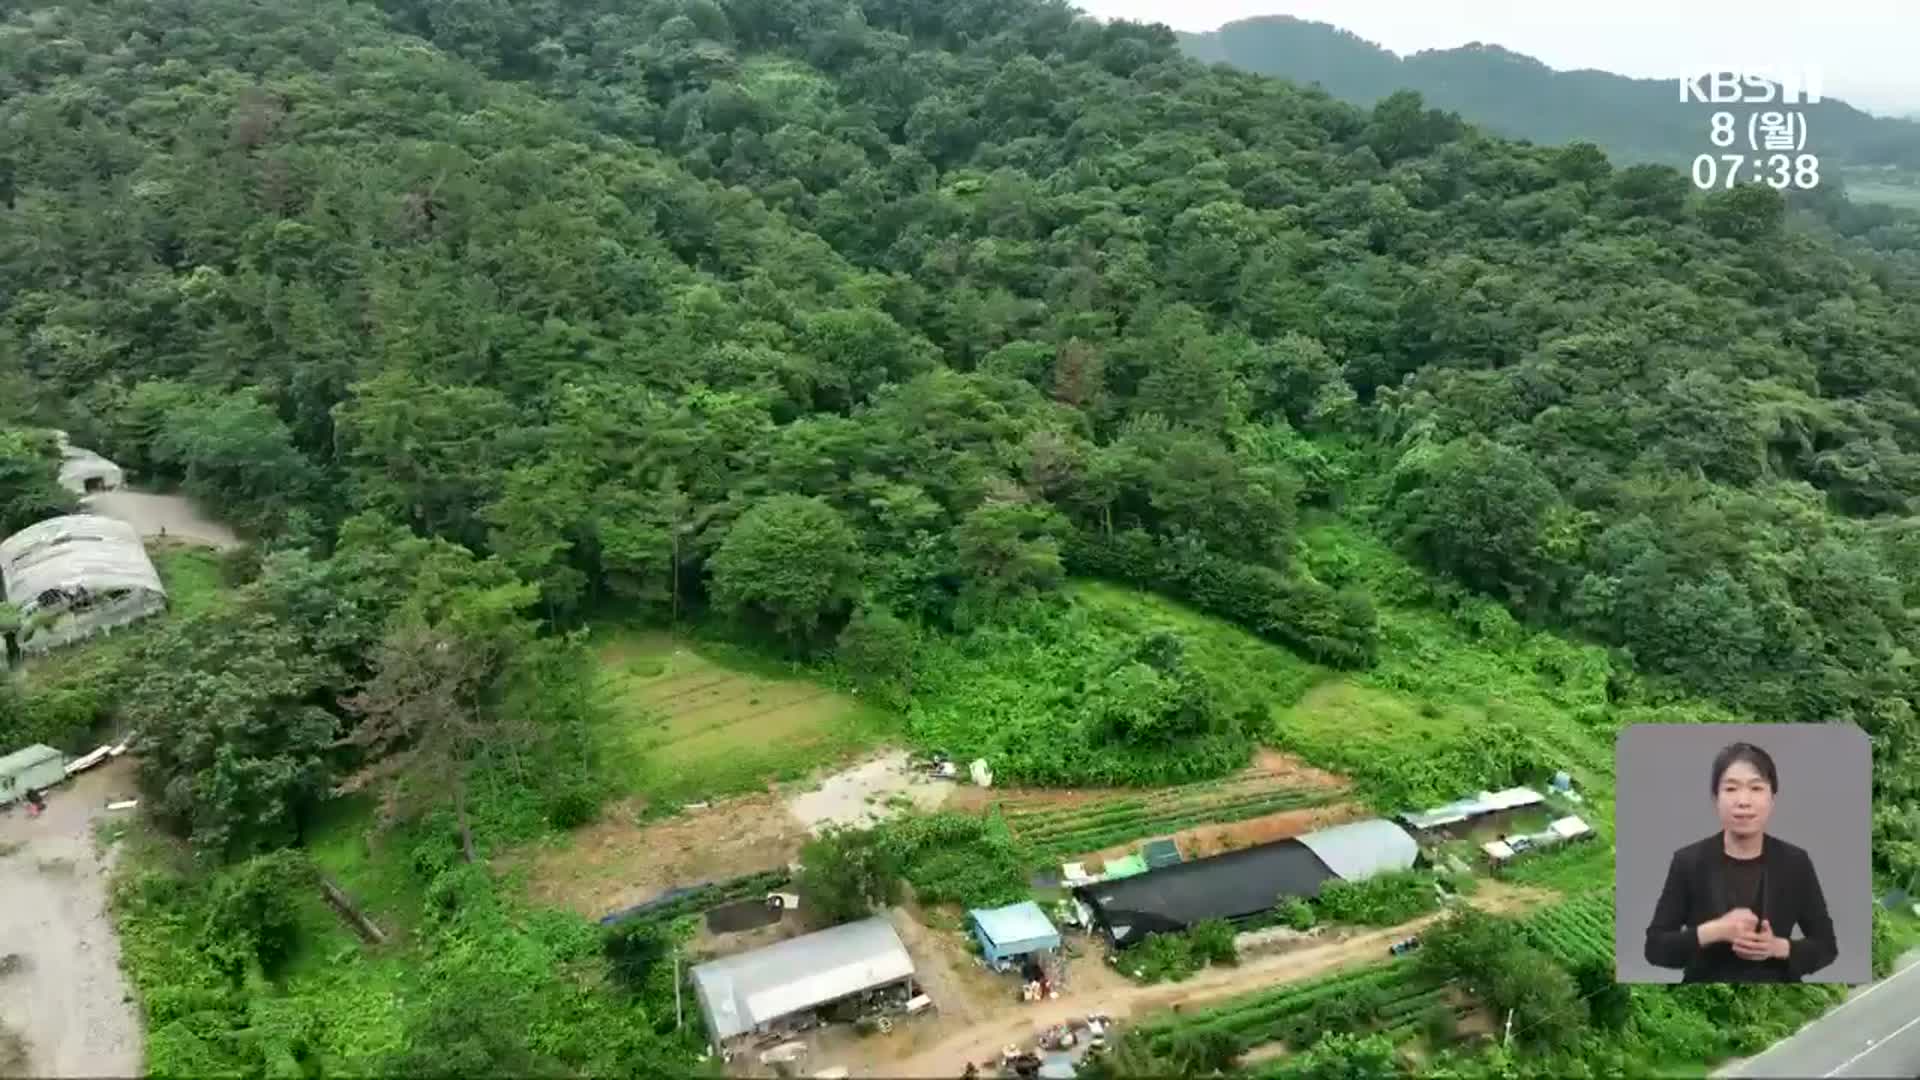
point(1866, 49)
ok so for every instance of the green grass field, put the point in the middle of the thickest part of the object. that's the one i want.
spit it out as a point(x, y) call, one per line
point(692, 720)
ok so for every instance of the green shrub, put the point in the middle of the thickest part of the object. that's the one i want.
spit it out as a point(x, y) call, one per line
point(876, 650)
point(1332, 626)
point(1298, 914)
point(571, 808)
point(1212, 942)
point(952, 858)
point(1383, 900)
point(846, 873)
point(1161, 958)
point(1437, 1025)
point(253, 913)
point(634, 949)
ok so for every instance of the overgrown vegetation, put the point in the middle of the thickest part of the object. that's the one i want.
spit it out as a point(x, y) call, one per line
point(1382, 900)
point(1171, 957)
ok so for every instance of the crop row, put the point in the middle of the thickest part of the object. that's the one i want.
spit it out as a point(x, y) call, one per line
point(1110, 814)
point(1038, 811)
point(1577, 931)
point(1264, 1008)
point(1158, 824)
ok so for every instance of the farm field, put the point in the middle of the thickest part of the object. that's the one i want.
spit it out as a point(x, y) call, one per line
point(1052, 830)
point(1576, 931)
point(1393, 999)
point(691, 726)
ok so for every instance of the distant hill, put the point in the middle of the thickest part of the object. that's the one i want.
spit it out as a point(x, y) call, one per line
point(1518, 96)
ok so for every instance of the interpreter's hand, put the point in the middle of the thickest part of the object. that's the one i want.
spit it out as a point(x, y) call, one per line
point(1729, 927)
point(1761, 944)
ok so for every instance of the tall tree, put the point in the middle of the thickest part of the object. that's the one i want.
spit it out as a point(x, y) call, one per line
point(793, 560)
point(423, 718)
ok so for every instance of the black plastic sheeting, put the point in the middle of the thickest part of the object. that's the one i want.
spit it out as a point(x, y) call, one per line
point(1231, 886)
point(665, 898)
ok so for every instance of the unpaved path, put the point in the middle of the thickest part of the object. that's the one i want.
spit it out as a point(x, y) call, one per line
point(983, 1042)
point(67, 999)
point(175, 516)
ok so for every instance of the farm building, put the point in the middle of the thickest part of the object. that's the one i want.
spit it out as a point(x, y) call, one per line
point(37, 766)
point(750, 991)
point(72, 577)
point(1561, 831)
point(83, 472)
point(1485, 808)
point(1240, 884)
point(1008, 933)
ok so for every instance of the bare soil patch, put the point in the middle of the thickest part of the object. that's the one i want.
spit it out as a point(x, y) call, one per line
point(1271, 768)
point(868, 793)
point(616, 862)
point(1282, 767)
point(1204, 840)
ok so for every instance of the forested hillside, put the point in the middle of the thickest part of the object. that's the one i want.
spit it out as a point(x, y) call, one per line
point(1518, 96)
point(862, 322)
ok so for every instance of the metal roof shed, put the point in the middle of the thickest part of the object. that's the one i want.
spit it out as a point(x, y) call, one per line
point(37, 766)
point(746, 991)
point(1362, 849)
point(1012, 931)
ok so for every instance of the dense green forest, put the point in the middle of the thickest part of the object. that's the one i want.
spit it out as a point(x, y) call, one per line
point(1520, 97)
point(856, 325)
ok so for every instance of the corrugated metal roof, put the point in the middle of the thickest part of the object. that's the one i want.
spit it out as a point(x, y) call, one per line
point(79, 551)
point(1486, 802)
point(1359, 850)
point(1510, 798)
point(741, 992)
point(27, 758)
point(1015, 924)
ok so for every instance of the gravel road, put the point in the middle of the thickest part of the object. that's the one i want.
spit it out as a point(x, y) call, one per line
point(65, 997)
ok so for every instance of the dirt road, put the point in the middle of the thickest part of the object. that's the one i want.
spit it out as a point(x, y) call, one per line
point(65, 997)
point(175, 516)
point(983, 1042)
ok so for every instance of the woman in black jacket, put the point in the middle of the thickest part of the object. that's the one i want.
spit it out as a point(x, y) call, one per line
point(1732, 901)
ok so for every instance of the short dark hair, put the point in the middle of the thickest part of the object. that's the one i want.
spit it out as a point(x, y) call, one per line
point(1752, 755)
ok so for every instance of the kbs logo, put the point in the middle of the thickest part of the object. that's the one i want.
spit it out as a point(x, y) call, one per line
point(1785, 85)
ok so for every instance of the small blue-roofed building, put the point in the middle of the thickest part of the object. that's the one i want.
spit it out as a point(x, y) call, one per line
point(1008, 933)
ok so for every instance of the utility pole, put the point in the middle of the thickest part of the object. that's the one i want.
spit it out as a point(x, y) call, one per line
point(676, 993)
point(1507, 1039)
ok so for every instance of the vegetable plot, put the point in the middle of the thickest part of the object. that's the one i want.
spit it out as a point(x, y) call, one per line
point(1053, 831)
point(1577, 931)
point(1390, 998)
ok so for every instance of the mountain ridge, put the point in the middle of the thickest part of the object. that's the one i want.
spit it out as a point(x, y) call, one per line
point(1520, 96)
